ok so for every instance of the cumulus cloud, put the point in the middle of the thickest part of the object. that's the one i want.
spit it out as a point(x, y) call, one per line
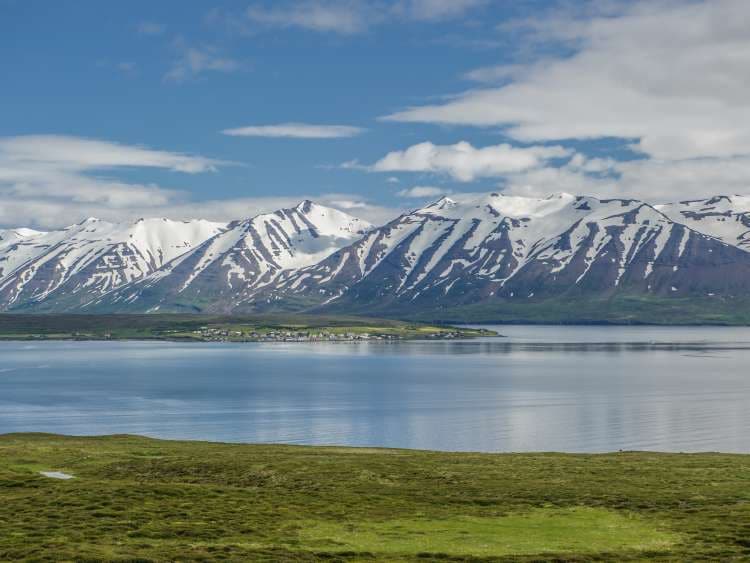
point(464, 162)
point(296, 130)
point(418, 192)
point(672, 76)
point(669, 78)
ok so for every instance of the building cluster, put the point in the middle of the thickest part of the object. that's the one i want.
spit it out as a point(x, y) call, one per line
point(287, 335)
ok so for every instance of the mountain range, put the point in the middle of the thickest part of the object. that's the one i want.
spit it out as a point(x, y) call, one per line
point(488, 257)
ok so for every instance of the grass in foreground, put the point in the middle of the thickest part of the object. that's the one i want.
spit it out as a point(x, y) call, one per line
point(543, 530)
point(137, 498)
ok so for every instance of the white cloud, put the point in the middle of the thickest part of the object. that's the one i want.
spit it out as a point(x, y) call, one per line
point(433, 10)
point(418, 192)
point(240, 208)
point(358, 206)
point(671, 77)
point(64, 187)
point(654, 181)
point(59, 176)
point(493, 74)
point(56, 213)
point(68, 153)
point(345, 17)
point(349, 17)
point(50, 181)
point(464, 162)
point(296, 130)
point(674, 76)
point(151, 28)
point(194, 61)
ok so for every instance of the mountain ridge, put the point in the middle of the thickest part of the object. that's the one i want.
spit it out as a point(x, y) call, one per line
point(456, 253)
point(431, 250)
point(93, 256)
point(249, 254)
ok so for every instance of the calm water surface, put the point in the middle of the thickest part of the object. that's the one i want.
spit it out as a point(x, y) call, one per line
point(541, 388)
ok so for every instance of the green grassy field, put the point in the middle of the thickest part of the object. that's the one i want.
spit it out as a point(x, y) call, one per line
point(135, 498)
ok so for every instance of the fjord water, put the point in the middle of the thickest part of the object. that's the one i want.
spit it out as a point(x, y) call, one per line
point(575, 389)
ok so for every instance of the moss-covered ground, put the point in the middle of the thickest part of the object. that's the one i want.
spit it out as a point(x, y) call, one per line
point(136, 498)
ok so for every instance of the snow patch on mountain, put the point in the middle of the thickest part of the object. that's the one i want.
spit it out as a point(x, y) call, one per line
point(473, 248)
point(724, 217)
point(457, 250)
point(94, 255)
point(250, 255)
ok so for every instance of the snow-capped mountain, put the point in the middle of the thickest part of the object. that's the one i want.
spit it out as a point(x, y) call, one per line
point(456, 252)
point(488, 251)
point(15, 247)
point(11, 236)
point(229, 268)
point(724, 217)
point(75, 264)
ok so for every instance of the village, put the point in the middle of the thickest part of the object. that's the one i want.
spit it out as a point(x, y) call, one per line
point(227, 335)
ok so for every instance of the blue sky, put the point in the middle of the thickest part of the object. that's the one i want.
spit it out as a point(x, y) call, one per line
point(446, 96)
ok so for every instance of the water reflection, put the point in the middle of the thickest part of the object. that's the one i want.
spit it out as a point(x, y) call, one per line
point(541, 388)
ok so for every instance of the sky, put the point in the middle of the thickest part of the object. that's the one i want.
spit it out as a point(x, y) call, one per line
point(222, 110)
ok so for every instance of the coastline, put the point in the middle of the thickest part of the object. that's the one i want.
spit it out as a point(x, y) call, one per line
point(224, 328)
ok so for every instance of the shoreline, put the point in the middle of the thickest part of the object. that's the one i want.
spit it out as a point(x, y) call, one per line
point(249, 341)
point(218, 328)
point(367, 448)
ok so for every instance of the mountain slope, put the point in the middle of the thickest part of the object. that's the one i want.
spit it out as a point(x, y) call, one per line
point(87, 259)
point(724, 217)
point(505, 249)
point(16, 246)
point(12, 236)
point(460, 258)
point(228, 269)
